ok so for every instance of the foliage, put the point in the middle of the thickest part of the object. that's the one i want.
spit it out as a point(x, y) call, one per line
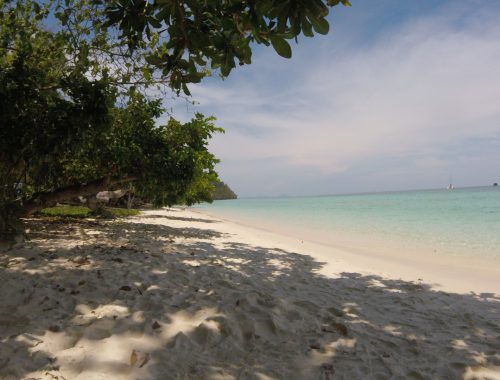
point(82, 212)
point(123, 212)
point(76, 111)
point(177, 164)
point(65, 130)
point(165, 162)
point(179, 42)
point(47, 103)
point(223, 191)
point(187, 37)
point(67, 211)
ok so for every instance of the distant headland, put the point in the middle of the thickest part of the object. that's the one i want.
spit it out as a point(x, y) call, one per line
point(223, 191)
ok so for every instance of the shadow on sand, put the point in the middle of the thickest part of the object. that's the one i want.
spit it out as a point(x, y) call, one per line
point(150, 301)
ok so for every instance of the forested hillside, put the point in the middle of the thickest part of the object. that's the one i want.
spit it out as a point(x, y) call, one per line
point(223, 191)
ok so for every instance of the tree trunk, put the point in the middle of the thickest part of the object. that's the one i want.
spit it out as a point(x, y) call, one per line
point(11, 212)
point(42, 200)
point(97, 207)
point(92, 203)
point(10, 225)
point(130, 199)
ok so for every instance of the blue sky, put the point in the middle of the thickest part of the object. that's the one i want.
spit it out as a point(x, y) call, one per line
point(399, 95)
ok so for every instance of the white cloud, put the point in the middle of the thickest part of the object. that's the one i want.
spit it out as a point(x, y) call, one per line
point(424, 88)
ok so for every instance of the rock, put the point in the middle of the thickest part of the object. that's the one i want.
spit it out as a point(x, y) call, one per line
point(155, 325)
point(54, 328)
point(126, 288)
point(315, 346)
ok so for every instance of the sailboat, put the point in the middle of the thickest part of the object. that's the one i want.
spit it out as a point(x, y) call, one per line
point(450, 186)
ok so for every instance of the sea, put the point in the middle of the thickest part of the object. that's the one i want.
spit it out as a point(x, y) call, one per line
point(461, 222)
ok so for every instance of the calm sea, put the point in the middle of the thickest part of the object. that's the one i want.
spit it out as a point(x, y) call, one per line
point(454, 222)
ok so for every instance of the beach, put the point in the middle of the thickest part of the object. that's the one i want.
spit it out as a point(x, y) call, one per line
point(180, 294)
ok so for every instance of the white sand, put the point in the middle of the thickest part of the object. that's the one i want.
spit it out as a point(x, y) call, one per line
point(180, 295)
point(349, 253)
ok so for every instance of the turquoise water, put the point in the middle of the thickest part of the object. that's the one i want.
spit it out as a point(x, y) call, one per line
point(460, 221)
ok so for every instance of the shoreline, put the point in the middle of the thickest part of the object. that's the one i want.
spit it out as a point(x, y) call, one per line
point(460, 274)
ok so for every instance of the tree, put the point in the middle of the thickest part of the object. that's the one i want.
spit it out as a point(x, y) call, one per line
point(188, 37)
point(76, 111)
point(66, 133)
point(47, 104)
point(178, 42)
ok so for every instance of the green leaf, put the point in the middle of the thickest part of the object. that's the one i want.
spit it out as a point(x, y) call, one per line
point(225, 70)
point(154, 22)
point(281, 46)
point(321, 26)
point(228, 64)
point(147, 73)
point(185, 89)
point(153, 60)
point(307, 28)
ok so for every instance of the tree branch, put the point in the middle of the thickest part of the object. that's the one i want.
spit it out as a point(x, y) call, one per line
point(42, 200)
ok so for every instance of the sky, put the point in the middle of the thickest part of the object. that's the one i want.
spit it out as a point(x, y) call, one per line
point(399, 95)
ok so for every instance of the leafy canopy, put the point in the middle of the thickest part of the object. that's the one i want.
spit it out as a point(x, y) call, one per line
point(65, 124)
point(75, 101)
point(177, 42)
point(48, 105)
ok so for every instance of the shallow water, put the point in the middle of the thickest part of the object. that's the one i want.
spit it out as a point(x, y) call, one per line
point(457, 222)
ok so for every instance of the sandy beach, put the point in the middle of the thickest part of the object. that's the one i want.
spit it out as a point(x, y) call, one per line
point(474, 272)
point(177, 294)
